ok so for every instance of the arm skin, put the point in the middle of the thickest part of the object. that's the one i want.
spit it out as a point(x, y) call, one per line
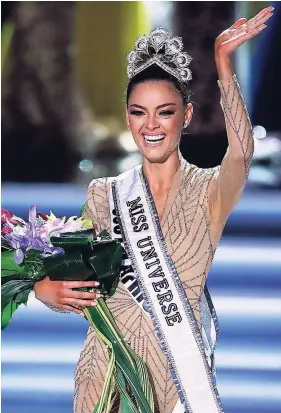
point(59, 296)
point(230, 182)
point(228, 185)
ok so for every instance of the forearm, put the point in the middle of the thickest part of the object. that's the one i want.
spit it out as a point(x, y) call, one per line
point(238, 125)
point(230, 182)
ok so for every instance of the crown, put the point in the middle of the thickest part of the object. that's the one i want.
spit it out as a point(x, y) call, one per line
point(160, 49)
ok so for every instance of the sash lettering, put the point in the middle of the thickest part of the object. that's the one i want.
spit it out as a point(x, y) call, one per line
point(127, 274)
point(149, 272)
point(136, 209)
point(150, 258)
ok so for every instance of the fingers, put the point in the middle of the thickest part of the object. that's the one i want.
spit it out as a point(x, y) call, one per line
point(263, 12)
point(260, 18)
point(241, 30)
point(72, 309)
point(252, 33)
point(232, 31)
point(80, 284)
point(66, 296)
point(244, 36)
point(78, 302)
point(238, 23)
point(242, 25)
point(84, 295)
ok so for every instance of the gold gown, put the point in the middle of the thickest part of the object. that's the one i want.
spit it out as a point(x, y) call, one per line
point(195, 213)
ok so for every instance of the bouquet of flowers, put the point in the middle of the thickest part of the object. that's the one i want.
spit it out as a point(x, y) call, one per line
point(68, 250)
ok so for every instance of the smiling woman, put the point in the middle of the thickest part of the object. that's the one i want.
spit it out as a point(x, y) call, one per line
point(157, 126)
point(169, 216)
point(158, 123)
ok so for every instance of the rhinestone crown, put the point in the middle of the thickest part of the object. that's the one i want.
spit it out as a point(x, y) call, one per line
point(160, 49)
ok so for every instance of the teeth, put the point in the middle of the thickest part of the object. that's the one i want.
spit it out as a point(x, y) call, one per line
point(155, 138)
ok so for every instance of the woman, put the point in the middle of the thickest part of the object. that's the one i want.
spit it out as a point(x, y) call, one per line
point(170, 215)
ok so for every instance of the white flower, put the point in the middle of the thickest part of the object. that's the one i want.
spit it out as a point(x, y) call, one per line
point(55, 226)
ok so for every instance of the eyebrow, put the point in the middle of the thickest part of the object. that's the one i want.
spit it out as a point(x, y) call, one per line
point(158, 107)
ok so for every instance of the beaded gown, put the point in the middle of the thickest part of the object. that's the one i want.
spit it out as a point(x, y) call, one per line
point(192, 222)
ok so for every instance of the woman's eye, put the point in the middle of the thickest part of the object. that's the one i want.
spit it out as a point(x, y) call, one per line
point(167, 112)
point(136, 113)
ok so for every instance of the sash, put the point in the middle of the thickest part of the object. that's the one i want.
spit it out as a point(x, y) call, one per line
point(151, 278)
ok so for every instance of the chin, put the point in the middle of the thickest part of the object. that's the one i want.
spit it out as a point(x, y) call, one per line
point(156, 158)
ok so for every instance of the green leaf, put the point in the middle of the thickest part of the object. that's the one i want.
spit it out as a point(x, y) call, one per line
point(67, 267)
point(104, 235)
point(125, 358)
point(17, 281)
point(71, 241)
point(34, 266)
point(5, 246)
point(22, 297)
point(86, 259)
point(127, 406)
point(7, 313)
point(16, 290)
point(106, 264)
point(9, 266)
point(83, 209)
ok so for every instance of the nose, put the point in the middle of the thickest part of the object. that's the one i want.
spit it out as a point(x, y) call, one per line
point(152, 123)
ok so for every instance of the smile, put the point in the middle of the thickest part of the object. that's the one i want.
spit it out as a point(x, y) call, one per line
point(152, 139)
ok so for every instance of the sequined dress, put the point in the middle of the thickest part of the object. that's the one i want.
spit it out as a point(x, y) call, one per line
point(196, 210)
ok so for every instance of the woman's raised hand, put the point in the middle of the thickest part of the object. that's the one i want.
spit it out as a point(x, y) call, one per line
point(241, 31)
point(62, 295)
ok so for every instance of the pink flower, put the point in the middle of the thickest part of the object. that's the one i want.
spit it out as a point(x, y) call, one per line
point(10, 219)
point(41, 215)
point(6, 229)
point(5, 215)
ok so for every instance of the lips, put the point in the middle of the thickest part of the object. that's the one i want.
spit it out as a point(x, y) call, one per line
point(153, 138)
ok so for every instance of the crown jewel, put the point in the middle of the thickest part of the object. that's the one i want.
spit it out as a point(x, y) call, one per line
point(160, 49)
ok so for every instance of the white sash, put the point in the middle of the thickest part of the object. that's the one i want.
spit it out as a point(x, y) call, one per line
point(154, 283)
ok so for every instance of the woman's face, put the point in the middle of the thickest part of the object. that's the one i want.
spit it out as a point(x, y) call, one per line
point(156, 114)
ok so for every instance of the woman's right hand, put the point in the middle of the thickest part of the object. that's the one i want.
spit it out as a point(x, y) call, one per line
point(61, 294)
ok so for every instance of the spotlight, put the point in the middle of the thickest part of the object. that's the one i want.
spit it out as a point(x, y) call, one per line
point(86, 165)
point(259, 132)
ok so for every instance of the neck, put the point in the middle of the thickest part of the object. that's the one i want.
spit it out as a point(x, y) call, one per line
point(160, 175)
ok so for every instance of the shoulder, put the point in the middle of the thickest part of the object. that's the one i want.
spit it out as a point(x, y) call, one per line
point(99, 184)
point(98, 203)
point(98, 193)
point(99, 188)
point(103, 185)
point(200, 176)
point(198, 181)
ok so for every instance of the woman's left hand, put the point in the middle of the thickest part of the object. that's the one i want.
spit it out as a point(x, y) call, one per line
point(241, 31)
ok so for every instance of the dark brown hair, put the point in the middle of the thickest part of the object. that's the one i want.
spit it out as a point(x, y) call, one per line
point(154, 73)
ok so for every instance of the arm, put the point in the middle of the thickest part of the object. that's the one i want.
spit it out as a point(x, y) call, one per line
point(59, 295)
point(228, 185)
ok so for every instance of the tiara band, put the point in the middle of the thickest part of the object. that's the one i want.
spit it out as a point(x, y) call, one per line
point(160, 49)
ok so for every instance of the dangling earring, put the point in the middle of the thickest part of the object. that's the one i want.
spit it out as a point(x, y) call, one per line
point(128, 126)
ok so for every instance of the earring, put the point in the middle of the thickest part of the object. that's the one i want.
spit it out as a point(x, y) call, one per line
point(128, 126)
